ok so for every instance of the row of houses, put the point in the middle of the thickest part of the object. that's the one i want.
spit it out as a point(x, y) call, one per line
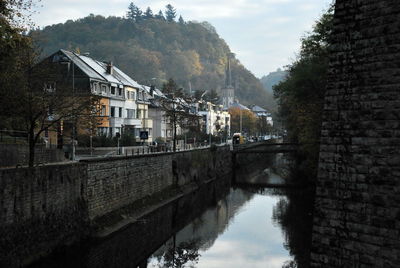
point(127, 106)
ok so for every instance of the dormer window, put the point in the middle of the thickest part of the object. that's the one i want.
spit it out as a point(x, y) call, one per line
point(113, 90)
point(96, 87)
point(130, 95)
point(103, 89)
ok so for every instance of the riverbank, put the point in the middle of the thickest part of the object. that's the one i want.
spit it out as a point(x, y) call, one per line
point(49, 206)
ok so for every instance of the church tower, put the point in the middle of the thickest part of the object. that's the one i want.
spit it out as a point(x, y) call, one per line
point(228, 92)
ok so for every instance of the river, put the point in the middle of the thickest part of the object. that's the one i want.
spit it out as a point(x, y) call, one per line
point(218, 226)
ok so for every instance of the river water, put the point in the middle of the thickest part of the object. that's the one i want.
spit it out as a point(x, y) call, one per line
point(219, 226)
point(238, 232)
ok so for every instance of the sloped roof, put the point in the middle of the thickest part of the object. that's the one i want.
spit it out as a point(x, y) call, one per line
point(100, 68)
point(240, 106)
point(258, 109)
point(82, 65)
point(157, 92)
point(125, 79)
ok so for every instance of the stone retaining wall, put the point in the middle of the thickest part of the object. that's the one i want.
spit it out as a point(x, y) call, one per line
point(18, 154)
point(357, 217)
point(47, 206)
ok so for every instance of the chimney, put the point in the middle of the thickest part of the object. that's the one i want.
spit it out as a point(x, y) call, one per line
point(110, 67)
point(152, 90)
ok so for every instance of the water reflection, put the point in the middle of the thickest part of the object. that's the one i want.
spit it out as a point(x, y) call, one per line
point(239, 232)
point(294, 214)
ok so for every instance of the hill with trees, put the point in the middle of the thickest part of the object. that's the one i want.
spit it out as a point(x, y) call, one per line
point(159, 45)
point(272, 79)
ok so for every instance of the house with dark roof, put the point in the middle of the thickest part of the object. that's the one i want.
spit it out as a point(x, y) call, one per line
point(124, 102)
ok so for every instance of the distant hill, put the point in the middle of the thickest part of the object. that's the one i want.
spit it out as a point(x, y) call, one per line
point(273, 79)
point(191, 53)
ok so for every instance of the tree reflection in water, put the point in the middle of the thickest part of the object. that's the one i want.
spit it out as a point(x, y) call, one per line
point(186, 254)
point(294, 213)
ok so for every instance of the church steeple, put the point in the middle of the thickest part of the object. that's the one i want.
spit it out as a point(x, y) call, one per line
point(228, 71)
point(228, 93)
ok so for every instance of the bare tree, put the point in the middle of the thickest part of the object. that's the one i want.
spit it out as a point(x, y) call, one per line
point(177, 109)
point(38, 102)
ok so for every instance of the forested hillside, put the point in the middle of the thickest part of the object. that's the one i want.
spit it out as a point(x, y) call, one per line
point(150, 46)
point(272, 79)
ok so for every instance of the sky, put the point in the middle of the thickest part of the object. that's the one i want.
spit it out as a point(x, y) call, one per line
point(264, 34)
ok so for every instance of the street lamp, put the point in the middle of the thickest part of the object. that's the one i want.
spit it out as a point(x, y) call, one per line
point(240, 122)
point(209, 136)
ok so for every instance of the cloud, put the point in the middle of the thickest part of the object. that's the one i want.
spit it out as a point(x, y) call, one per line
point(234, 254)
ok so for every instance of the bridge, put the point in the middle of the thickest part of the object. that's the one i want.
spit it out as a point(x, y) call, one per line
point(247, 158)
point(265, 147)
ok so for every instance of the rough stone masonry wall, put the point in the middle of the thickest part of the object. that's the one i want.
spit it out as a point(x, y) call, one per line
point(116, 182)
point(38, 208)
point(18, 154)
point(357, 221)
point(47, 206)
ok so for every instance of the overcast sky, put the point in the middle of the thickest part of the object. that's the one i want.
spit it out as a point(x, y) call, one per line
point(264, 34)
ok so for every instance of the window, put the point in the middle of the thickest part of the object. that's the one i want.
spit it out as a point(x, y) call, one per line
point(103, 110)
point(131, 95)
point(130, 113)
point(103, 89)
point(120, 92)
point(112, 111)
point(120, 112)
point(113, 90)
point(137, 132)
point(139, 114)
point(102, 130)
point(150, 132)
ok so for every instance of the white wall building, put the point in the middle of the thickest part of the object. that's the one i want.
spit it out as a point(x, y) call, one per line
point(260, 112)
point(216, 120)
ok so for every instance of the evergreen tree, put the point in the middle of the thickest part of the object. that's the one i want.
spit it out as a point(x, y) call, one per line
point(171, 88)
point(212, 96)
point(181, 21)
point(170, 13)
point(139, 13)
point(134, 13)
point(160, 15)
point(148, 14)
point(131, 11)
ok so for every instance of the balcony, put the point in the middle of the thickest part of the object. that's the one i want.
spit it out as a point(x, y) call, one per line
point(132, 122)
point(116, 121)
point(147, 123)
